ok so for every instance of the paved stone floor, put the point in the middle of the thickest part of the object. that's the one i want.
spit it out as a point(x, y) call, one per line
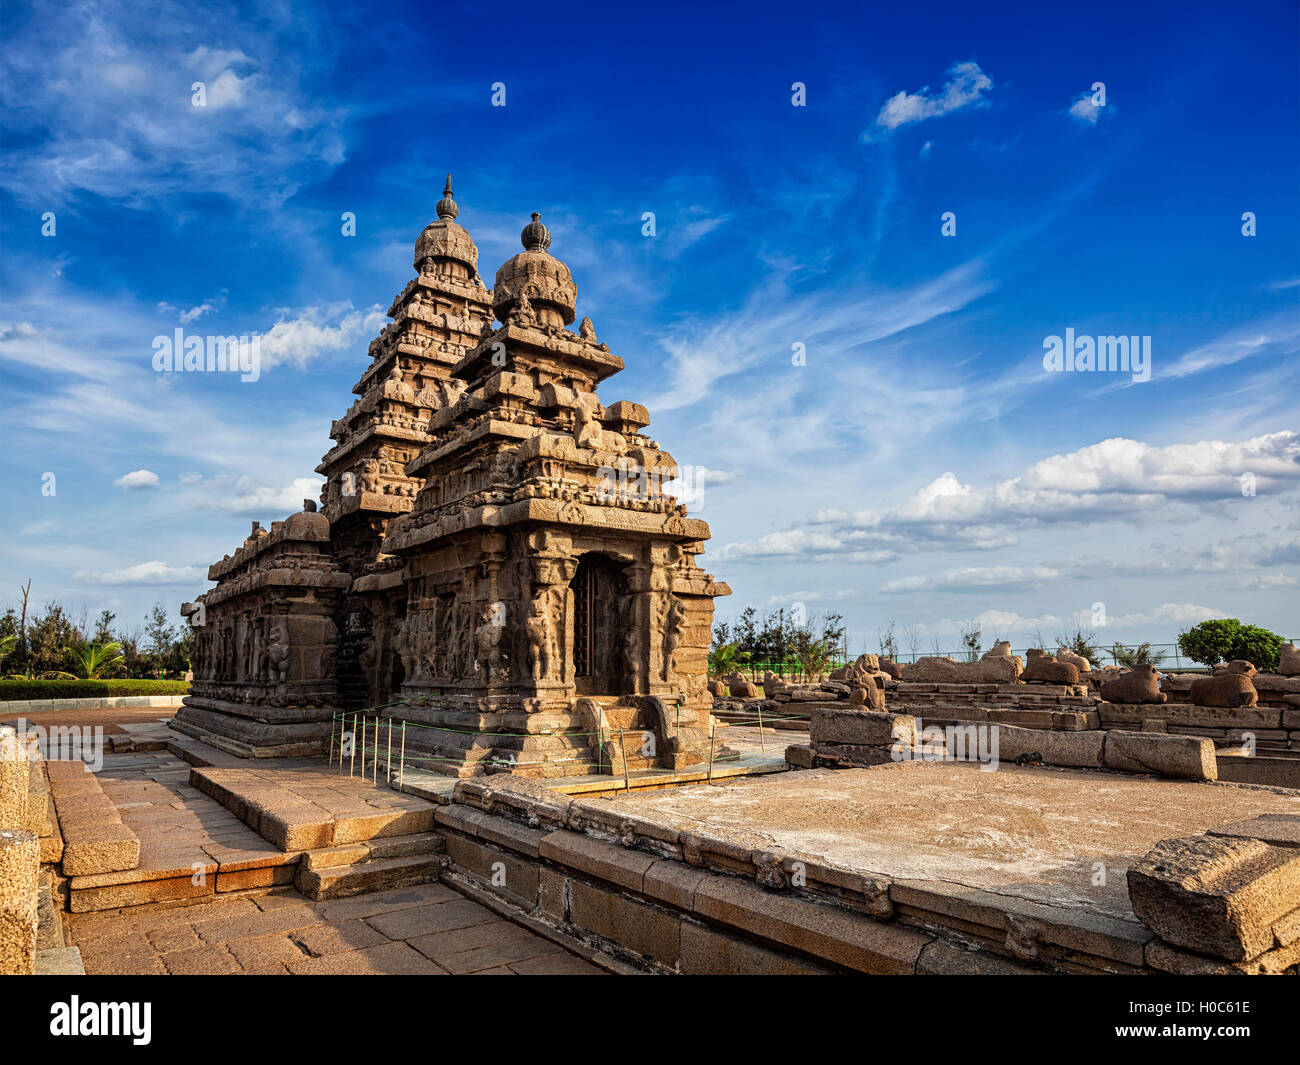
point(424, 930)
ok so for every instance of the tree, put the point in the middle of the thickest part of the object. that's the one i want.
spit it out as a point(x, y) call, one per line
point(7, 645)
point(22, 625)
point(1080, 641)
point(159, 631)
point(912, 637)
point(96, 660)
point(971, 637)
point(888, 642)
point(1142, 654)
point(51, 639)
point(1224, 639)
point(104, 627)
point(725, 659)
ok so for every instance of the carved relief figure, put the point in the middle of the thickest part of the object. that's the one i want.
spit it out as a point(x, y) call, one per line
point(540, 631)
point(676, 617)
point(487, 644)
point(278, 652)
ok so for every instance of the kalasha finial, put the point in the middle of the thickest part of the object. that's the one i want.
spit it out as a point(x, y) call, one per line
point(535, 236)
point(447, 208)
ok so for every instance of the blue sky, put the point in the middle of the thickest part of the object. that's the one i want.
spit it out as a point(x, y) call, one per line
point(921, 466)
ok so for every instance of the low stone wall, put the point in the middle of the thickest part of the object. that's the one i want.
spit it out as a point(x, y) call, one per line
point(14, 707)
point(1274, 727)
point(31, 936)
point(669, 897)
point(842, 737)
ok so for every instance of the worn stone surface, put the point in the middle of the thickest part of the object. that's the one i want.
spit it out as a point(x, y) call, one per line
point(19, 866)
point(1045, 829)
point(1219, 896)
point(421, 930)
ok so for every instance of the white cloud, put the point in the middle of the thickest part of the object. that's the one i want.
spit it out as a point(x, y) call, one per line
point(1083, 110)
point(103, 106)
point(975, 579)
point(966, 86)
point(1278, 337)
point(299, 340)
point(152, 572)
point(1114, 479)
point(137, 479)
point(247, 495)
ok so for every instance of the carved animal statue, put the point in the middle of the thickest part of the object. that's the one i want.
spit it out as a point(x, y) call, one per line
point(1047, 670)
point(1231, 688)
point(1001, 649)
point(741, 688)
point(888, 665)
point(586, 330)
point(1141, 684)
point(868, 698)
point(1289, 663)
point(1064, 654)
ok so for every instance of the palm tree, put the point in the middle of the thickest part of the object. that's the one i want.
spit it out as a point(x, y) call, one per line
point(7, 645)
point(95, 660)
point(725, 658)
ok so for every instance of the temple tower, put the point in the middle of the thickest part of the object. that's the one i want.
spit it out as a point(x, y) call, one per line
point(553, 590)
point(440, 314)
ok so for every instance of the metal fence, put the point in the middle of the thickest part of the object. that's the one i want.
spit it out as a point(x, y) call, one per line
point(1169, 658)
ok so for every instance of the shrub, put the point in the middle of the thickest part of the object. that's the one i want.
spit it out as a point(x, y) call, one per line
point(24, 688)
point(1223, 639)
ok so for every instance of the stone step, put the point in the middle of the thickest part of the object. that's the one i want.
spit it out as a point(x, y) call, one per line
point(348, 854)
point(341, 881)
point(341, 810)
point(94, 838)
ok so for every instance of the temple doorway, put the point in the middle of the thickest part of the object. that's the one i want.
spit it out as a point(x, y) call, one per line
point(600, 608)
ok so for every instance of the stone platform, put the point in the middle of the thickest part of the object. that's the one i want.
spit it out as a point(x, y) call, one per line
point(916, 868)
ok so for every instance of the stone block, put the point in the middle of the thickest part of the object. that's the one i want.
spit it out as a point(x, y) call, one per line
point(642, 929)
point(99, 847)
point(1213, 895)
point(20, 859)
point(1083, 749)
point(14, 776)
point(606, 861)
point(862, 727)
point(1185, 757)
point(851, 940)
point(708, 952)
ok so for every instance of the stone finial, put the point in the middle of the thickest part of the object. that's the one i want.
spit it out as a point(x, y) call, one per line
point(309, 506)
point(447, 207)
point(535, 236)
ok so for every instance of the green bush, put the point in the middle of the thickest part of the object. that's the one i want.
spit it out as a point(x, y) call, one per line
point(1224, 639)
point(23, 688)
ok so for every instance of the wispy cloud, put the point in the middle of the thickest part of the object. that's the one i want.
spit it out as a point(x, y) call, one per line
point(965, 87)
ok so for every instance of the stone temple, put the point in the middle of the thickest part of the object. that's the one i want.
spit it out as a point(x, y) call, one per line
point(495, 560)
